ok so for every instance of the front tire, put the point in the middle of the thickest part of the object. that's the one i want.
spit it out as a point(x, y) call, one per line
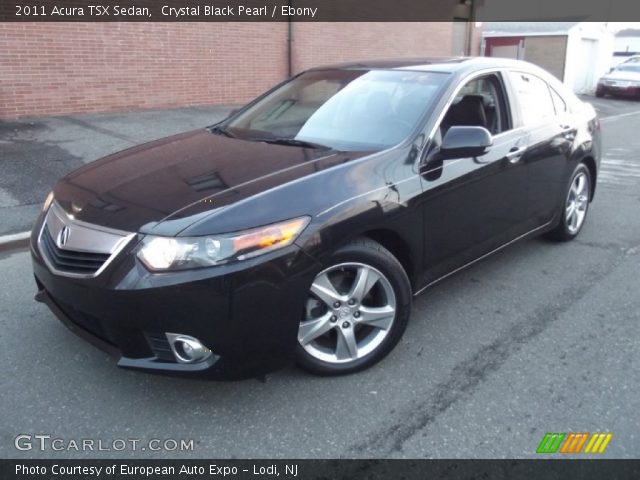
point(575, 207)
point(356, 312)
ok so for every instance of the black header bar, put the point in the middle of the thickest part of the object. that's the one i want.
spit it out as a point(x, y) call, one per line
point(317, 10)
point(318, 469)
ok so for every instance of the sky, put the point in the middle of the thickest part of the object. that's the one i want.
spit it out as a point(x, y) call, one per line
point(617, 26)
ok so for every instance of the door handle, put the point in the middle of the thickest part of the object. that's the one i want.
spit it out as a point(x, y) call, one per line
point(515, 154)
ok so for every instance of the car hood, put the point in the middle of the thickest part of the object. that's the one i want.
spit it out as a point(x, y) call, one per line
point(183, 177)
point(622, 76)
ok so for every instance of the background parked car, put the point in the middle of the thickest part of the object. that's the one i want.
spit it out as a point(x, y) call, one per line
point(622, 80)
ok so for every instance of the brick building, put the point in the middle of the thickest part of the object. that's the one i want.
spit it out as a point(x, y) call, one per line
point(59, 68)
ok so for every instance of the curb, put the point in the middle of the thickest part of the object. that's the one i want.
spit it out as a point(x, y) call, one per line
point(14, 241)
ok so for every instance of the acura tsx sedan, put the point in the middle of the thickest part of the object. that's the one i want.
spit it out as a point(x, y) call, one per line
point(301, 227)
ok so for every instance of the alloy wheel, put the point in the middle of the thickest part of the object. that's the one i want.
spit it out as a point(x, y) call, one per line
point(349, 312)
point(577, 202)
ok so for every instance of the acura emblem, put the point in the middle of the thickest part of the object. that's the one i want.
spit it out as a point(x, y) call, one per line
point(63, 236)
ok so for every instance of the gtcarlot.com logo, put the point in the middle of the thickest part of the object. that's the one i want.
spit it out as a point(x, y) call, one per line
point(45, 442)
point(574, 442)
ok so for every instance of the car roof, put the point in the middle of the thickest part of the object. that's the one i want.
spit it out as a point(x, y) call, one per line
point(431, 64)
point(457, 66)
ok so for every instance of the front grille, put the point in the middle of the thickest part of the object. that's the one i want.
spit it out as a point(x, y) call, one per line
point(71, 261)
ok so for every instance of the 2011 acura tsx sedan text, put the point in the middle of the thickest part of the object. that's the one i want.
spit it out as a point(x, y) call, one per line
point(301, 226)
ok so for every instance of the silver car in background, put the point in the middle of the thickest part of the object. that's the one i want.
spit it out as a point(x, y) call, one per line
point(623, 80)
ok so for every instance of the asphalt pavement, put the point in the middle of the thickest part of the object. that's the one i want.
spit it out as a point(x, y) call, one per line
point(541, 337)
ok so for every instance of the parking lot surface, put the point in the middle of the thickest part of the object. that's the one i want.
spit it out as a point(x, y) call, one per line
point(538, 338)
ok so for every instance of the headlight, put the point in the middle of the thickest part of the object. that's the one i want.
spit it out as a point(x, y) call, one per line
point(179, 253)
point(47, 202)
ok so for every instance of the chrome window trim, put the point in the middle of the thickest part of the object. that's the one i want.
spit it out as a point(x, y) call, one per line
point(115, 240)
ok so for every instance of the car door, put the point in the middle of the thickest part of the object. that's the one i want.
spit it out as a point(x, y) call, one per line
point(474, 205)
point(551, 131)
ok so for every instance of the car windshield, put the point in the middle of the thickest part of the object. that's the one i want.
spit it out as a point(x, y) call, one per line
point(340, 109)
point(635, 68)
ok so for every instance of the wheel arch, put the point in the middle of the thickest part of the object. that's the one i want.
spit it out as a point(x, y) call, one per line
point(398, 246)
point(593, 172)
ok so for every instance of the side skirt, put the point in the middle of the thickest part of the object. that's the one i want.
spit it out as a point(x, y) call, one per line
point(529, 234)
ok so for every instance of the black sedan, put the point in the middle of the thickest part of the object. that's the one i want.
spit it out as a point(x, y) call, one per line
point(302, 226)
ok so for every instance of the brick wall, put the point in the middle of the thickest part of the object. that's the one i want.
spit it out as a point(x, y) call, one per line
point(476, 39)
point(321, 43)
point(60, 68)
point(88, 67)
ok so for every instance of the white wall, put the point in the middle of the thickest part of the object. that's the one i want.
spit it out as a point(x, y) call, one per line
point(583, 67)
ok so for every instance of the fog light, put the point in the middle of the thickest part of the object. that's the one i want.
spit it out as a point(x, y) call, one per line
point(187, 349)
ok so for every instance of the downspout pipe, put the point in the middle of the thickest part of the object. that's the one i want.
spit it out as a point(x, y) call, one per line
point(289, 45)
point(470, 26)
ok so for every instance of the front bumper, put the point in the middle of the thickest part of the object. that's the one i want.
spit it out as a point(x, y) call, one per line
point(246, 313)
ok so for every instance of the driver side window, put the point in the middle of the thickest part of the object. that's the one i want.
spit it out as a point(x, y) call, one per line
point(480, 103)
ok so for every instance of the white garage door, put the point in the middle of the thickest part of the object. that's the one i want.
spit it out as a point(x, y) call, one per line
point(585, 78)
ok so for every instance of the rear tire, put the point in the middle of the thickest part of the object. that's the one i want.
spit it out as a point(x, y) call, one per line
point(575, 206)
point(357, 310)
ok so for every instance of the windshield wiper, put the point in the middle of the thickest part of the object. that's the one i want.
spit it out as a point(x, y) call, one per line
point(275, 140)
point(222, 130)
point(294, 143)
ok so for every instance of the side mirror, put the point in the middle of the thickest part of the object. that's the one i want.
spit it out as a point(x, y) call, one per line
point(463, 142)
